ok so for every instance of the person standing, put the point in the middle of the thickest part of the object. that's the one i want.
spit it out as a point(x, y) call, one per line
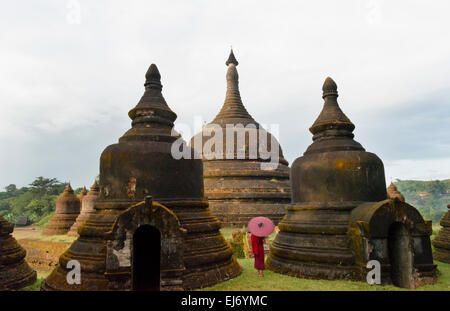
point(260, 227)
point(258, 252)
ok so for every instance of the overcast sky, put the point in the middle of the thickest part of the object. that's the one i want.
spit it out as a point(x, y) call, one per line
point(71, 70)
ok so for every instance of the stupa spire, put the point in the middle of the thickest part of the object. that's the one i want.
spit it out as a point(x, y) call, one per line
point(393, 192)
point(332, 129)
point(94, 185)
point(233, 108)
point(232, 59)
point(152, 109)
point(68, 189)
point(331, 116)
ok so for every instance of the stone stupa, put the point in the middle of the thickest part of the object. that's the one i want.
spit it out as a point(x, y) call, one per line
point(83, 192)
point(66, 212)
point(393, 193)
point(15, 273)
point(171, 244)
point(87, 207)
point(340, 219)
point(441, 242)
point(237, 187)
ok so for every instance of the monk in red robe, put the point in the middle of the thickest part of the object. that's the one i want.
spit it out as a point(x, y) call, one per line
point(258, 251)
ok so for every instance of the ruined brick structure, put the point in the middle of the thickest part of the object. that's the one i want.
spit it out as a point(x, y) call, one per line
point(123, 235)
point(236, 186)
point(87, 207)
point(66, 212)
point(393, 193)
point(15, 273)
point(442, 241)
point(340, 219)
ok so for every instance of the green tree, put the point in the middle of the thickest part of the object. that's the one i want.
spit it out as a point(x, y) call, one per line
point(11, 188)
point(436, 187)
point(41, 186)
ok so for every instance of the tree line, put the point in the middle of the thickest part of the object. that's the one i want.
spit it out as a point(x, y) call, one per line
point(429, 197)
point(37, 201)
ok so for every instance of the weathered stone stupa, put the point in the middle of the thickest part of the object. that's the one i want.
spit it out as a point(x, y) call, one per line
point(393, 193)
point(237, 188)
point(340, 219)
point(87, 207)
point(442, 241)
point(66, 212)
point(15, 273)
point(83, 192)
point(173, 244)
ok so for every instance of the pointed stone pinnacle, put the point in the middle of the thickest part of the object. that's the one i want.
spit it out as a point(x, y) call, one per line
point(153, 77)
point(329, 88)
point(94, 185)
point(68, 188)
point(231, 59)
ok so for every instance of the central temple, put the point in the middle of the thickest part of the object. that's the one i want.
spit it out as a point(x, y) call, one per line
point(238, 189)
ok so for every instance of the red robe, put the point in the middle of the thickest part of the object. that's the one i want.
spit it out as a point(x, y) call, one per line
point(258, 251)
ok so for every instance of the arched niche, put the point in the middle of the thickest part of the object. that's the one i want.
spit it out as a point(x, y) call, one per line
point(147, 220)
point(390, 231)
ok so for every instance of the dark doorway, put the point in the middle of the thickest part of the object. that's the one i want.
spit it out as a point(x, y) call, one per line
point(146, 259)
point(400, 255)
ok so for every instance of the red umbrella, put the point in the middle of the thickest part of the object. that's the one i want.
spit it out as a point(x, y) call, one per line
point(260, 226)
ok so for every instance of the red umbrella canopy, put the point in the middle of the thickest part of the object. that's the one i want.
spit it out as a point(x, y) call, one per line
point(261, 226)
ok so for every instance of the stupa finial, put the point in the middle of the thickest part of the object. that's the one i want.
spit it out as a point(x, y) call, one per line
point(233, 107)
point(94, 185)
point(153, 77)
point(332, 130)
point(329, 88)
point(152, 107)
point(231, 59)
point(68, 188)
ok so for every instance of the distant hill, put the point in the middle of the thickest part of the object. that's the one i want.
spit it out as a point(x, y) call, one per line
point(429, 197)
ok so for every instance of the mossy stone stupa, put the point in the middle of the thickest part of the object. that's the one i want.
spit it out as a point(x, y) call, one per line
point(442, 241)
point(66, 212)
point(87, 207)
point(237, 187)
point(15, 273)
point(340, 219)
point(393, 192)
point(125, 241)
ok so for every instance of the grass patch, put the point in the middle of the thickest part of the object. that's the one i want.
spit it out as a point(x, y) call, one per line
point(35, 233)
point(249, 281)
point(36, 286)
